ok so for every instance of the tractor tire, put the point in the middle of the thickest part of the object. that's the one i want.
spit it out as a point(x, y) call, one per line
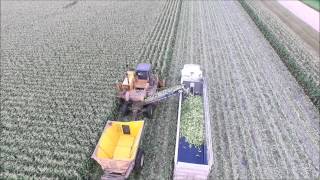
point(150, 110)
point(139, 162)
point(124, 108)
point(162, 84)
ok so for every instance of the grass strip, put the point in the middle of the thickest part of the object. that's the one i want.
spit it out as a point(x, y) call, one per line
point(315, 4)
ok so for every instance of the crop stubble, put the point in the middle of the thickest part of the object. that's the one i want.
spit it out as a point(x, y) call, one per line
point(263, 124)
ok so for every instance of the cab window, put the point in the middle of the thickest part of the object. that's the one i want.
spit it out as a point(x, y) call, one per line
point(142, 75)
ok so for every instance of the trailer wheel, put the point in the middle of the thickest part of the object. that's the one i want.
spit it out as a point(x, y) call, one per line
point(149, 112)
point(139, 162)
point(172, 168)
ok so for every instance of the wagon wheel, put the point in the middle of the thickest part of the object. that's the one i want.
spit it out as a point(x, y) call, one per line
point(139, 162)
point(150, 110)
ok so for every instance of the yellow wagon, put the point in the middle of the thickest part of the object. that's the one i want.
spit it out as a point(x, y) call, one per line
point(118, 150)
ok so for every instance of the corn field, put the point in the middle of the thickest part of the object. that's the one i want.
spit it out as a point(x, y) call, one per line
point(60, 62)
point(58, 70)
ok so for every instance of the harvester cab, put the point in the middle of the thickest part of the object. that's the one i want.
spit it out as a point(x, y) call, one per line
point(138, 85)
point(143, 72)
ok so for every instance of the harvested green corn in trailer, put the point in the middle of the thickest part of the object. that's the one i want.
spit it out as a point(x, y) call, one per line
point(192, 120)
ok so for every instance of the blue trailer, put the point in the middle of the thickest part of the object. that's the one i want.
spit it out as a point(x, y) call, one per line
point(192, 162)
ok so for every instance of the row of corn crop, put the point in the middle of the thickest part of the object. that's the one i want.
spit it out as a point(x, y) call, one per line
point(53, 97)
point(159, 48)
point(289, 48)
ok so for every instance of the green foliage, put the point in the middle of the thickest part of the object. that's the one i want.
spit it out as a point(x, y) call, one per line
point(315, 4)
point(287, 54)
point(191, 125)
point(169, 52)
point(56, 90)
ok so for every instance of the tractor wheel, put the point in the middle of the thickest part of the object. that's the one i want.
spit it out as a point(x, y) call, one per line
point(139, 162)
point(161, 84)
point(149, 113)
point(124, 108)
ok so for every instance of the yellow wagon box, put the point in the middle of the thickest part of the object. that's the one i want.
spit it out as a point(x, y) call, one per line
point(118, 150)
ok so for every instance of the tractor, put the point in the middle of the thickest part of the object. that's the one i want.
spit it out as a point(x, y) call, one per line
point(136, 86)
point(141, 90)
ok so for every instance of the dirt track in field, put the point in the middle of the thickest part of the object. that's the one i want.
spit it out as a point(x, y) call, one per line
point(303, 30)
point(264, 126)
